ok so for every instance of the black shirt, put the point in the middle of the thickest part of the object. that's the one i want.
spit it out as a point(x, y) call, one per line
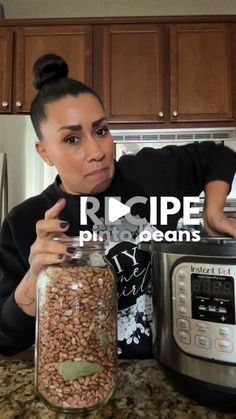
point(170, 171)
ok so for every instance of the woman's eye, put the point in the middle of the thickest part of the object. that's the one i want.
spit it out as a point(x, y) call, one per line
point(102, 132)
point(71, 140)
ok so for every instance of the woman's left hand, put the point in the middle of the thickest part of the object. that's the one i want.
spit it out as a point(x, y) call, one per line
point(219, 224)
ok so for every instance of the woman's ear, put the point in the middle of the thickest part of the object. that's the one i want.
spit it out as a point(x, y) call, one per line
point(43, 153)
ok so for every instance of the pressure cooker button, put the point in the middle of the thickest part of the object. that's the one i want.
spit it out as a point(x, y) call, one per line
point(182, 286)
point(212, 308)
point(203, 328)
point(183, 324)
point(224, 332)
point(224, 345)
point(182, 299)
point(181, 274)
point(182, 310)
point(222, 310)
point(203, 342)
point(184, 337)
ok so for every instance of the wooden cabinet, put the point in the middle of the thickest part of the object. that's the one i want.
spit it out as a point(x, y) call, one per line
point(167, 73)
point(159, 72)
point(133, 87)
point(6, 55)
point(73, 43)
point(200, 73)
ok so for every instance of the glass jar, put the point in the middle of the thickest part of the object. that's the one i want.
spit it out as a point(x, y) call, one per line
point(76, 331)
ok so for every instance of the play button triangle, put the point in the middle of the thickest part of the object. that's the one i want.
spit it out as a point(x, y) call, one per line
point(116, 209)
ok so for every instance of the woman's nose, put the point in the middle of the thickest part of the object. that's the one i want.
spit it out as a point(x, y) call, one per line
point(94, 150)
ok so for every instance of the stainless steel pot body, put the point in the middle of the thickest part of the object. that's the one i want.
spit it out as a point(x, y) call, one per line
point(165, 259)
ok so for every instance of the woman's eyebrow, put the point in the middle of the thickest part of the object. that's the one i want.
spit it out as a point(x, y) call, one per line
point(95, 124)
point(78, 127)
point(71, 127)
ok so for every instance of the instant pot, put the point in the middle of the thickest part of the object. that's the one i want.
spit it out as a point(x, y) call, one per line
point(194, 316)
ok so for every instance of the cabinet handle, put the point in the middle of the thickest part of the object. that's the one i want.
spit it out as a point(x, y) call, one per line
point(18, 104)
point(175, 113)
point(161, 114)
point(4, 104)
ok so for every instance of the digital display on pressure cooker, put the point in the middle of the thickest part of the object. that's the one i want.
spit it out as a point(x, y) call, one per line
point(213, 298)
point(212, 287)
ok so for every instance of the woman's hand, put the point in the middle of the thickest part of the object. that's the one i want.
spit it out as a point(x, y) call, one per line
point(216, 222)
point(44, 251)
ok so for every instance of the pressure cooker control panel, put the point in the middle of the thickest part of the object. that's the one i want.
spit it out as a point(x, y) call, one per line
point(204, 313)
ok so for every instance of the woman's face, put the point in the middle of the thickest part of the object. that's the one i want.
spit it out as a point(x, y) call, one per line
point(76, 139)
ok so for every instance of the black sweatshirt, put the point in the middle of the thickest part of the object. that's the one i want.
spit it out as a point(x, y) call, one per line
point(170, 171)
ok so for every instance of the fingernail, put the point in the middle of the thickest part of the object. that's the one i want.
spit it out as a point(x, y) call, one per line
point(60, 256)
point(59, 200)
point(70, 250)
point(63, 224)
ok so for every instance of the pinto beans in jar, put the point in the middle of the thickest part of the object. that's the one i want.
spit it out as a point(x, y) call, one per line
point(76, 331)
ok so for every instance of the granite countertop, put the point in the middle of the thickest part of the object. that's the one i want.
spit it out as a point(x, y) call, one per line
point(142, 392)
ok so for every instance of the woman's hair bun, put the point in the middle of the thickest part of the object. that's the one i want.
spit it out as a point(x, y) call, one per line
point(48, 68)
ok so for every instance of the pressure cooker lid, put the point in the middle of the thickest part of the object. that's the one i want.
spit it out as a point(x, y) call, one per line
point(207, 246)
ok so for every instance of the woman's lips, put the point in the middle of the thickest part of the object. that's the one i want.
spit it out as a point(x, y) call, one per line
point(99, 173)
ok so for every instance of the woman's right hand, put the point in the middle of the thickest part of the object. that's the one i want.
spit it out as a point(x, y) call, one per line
point(46, 251)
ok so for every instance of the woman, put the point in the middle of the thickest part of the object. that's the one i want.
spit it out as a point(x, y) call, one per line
point(71, 126)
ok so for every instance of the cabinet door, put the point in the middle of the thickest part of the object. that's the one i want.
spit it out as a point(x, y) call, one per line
point(133, 72)
point(6, 70)
point(73, 43)
point(200, 73)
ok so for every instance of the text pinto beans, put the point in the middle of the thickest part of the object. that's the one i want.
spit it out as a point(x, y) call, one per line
point(76, 333)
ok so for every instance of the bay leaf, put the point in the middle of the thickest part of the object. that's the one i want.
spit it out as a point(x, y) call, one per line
point(71, 370)
point(104, 340)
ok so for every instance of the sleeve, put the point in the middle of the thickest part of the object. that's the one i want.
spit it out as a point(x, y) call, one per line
point(180, 170)
point(17, 329)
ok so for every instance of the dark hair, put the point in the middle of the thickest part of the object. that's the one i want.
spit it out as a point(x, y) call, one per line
point(50, 79)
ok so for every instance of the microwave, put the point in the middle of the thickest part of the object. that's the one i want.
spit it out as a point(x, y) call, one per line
point(130, 141)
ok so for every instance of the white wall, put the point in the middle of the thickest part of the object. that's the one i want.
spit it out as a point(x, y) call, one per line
point(27, 174)
point(91, 8)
